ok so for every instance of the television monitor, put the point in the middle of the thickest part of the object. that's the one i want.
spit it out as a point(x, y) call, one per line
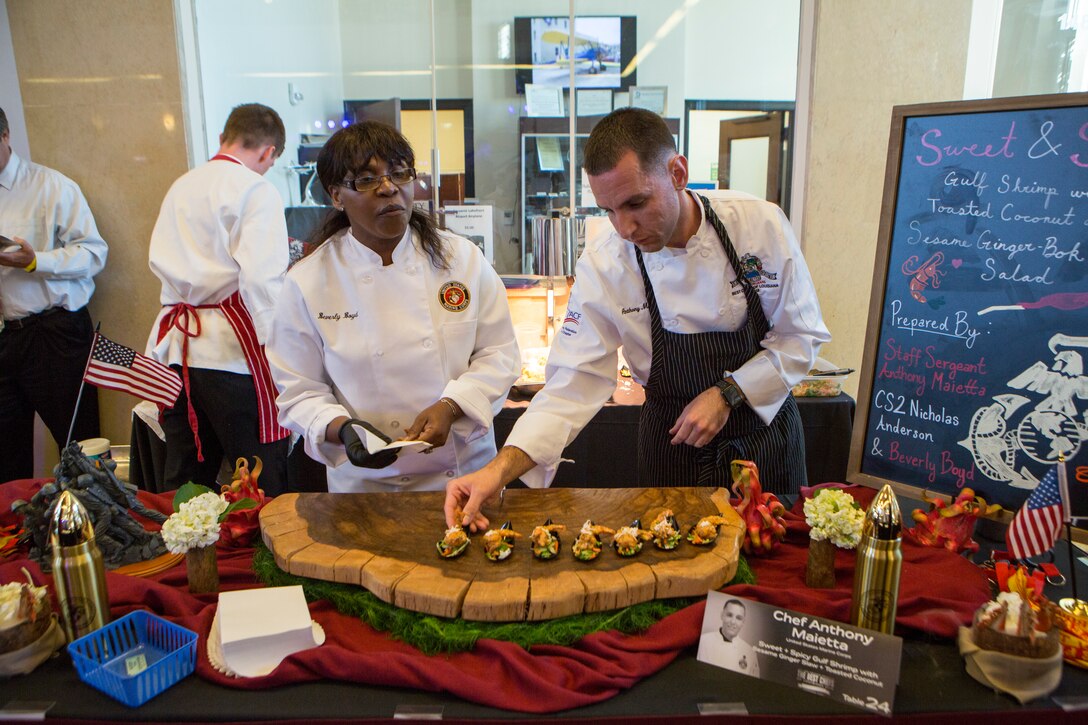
point(603, 46)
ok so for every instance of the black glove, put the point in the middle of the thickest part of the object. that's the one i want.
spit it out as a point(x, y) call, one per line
point(356, 448)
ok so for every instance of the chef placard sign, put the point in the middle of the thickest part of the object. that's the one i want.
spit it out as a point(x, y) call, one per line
point(856, 666)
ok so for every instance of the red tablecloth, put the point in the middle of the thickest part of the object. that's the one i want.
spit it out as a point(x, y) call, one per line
point(938, 592)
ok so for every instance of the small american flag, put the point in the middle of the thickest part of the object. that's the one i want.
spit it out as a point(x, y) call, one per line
point(1036, 525)
point(121, 368)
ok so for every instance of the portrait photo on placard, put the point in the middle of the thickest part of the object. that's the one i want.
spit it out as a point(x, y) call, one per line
point(731, 628)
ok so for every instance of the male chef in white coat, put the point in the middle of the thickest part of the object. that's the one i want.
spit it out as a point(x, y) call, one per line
point(220, 249)
point(717, 315)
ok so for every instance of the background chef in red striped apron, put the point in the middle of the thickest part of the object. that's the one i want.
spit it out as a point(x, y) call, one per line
point(220, 249)
point(713, 304)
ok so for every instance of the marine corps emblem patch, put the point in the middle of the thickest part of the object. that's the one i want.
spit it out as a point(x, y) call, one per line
point(454, 296)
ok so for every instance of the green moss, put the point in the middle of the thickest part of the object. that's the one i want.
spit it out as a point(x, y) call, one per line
point(433, 635)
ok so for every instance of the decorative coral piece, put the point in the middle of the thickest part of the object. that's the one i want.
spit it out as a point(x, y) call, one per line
point(950, 525)
point(761, 512)
point(240, 526)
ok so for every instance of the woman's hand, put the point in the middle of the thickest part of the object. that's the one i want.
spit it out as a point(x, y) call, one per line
point(433, 424)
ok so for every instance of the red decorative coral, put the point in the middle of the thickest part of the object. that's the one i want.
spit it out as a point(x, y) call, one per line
point(950, 525)
point(762, 512)
point(242, 525)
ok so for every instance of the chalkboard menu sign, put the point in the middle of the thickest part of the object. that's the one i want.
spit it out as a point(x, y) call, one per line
point(974, 369)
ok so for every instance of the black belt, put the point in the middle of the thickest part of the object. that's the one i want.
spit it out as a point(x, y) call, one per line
point(30, 319)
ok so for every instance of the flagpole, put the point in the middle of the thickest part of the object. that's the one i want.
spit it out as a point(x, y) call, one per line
point(1063, 493)
point(82, 384)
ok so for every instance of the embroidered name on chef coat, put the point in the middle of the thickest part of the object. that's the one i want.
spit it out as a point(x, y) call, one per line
point(454, 296)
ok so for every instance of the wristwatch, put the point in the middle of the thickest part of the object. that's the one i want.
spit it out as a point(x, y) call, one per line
point(731, 392)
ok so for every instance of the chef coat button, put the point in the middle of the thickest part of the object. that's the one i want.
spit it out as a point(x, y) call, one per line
point(428, 343)
point(413, 269)
point(378, 353)
point(367, 279)
point(658, 267)
point(394, 424)
point(705, 252)
point(405, 479)
point(721, 310)
point(450, 474)
point(670, 323)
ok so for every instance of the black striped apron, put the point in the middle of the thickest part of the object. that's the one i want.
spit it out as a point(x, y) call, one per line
point(683, 366)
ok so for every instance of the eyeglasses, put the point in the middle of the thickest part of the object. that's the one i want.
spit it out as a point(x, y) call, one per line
point(370, 183)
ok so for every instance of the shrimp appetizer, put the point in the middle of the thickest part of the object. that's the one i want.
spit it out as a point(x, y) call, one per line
point(706, 530)
point(666, 531)
point(628, 539)
point(587, 546)
point(544, 541)
point(499, 543)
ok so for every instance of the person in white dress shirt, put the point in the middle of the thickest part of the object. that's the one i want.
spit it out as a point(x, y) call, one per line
point(717, 315)
point(390, 326)
point(47, 275)
point(220, 249)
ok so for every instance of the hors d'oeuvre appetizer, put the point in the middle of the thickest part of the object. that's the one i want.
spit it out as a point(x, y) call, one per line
point(544, 541)
point(628, 539)
point(499, 543)
point(666, 530)
point(587, 546)
point(706, 530)
point(453, 544)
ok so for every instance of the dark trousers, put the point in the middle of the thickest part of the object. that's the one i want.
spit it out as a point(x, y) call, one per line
point(226, 411)
point(41, 367)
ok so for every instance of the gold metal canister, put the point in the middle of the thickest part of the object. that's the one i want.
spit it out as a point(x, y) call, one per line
point(879, 561)
point(79, 574)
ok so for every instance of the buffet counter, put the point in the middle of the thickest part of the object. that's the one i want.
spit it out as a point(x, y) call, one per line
point(828, 423)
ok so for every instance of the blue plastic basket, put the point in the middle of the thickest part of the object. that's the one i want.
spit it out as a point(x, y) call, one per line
point(136, 657)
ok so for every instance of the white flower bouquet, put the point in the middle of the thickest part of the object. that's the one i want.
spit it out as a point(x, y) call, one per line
point(198, 513)
point(834, 515)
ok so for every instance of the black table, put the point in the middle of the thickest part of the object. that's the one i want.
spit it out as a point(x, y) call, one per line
point(603, 455)
point(933, 688)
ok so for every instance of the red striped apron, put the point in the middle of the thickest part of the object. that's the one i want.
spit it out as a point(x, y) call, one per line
point(184, 318)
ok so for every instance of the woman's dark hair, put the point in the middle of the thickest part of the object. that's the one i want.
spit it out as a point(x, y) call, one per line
point(350, 150)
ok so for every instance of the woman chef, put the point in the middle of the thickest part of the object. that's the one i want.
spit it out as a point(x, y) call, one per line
point(391, 326)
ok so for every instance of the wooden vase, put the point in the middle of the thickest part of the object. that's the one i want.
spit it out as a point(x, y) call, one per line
point(820, 570)
point(203, 570)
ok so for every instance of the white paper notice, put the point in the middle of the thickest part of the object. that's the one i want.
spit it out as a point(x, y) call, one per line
point(259, 627)
point(374, 444)
point(543, 100)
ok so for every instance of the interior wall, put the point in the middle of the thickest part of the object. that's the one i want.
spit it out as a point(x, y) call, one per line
point(102, 102)
point(870, 55)
point(252, 51)
point(738, 50)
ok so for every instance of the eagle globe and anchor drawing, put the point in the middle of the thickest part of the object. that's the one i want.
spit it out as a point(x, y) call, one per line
point(1052, 429)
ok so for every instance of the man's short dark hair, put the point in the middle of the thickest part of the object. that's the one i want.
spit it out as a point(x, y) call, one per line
point(255, 125)
point(3, 122)
point(738, 602)
point(628, 129)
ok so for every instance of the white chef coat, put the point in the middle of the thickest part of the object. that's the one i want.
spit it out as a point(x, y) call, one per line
point(352, 337)
point(737, 655)
point(48, 210)
point(221, 229)
point(608, 308)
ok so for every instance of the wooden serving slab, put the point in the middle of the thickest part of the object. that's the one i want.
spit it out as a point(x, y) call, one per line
point(386, 543)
